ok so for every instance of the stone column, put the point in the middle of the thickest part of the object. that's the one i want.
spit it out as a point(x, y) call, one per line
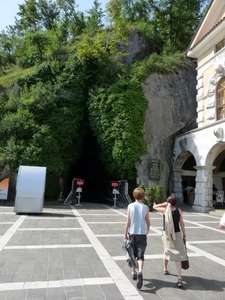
point(177, 183)
point(203, 189)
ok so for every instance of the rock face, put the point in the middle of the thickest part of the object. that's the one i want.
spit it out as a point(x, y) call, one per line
point(137, 48)
point(171, 111)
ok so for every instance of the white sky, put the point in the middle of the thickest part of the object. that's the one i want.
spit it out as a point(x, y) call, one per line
point(9, 8)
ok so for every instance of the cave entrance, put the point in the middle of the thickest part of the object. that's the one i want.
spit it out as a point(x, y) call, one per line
point(89, 168)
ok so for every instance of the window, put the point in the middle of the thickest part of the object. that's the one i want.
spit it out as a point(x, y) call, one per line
point(220, 45)
point(221, 99)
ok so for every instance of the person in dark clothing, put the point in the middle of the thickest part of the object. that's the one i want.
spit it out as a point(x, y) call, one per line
point(185, 197)
point(214, 191)
point(174, 235)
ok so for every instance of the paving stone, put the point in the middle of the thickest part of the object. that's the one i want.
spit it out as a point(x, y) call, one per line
point(36, 294)
point(14, 295)
point(55, 293)
point(3, 295)
point(94, 293)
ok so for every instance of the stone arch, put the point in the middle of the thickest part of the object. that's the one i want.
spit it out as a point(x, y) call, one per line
point(186, 151)
point(216, 159)
point(213, 153)
point(179, 173)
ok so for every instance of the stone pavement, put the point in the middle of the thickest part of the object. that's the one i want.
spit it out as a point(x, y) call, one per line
point(75, 252)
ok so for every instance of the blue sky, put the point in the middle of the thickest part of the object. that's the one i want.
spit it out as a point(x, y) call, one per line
point(9, 8)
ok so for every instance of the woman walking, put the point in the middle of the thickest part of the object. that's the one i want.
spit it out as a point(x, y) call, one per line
point(173, 239)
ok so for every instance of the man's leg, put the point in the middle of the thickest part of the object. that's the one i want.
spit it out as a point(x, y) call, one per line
point(142, 243)
point(139, 274)
point(134, 250)
point(140, 265)
point(133, 273)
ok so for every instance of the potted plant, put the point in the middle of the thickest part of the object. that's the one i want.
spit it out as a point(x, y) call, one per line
point(149, 198)
point(158, 194)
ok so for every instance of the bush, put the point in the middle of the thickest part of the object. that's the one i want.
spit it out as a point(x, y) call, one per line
point(152, 195)
point(158, 194)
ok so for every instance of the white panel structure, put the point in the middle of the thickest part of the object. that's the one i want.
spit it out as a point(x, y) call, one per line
point(30, 189)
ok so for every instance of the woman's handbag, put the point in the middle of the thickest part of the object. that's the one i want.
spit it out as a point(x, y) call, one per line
point(185, 263)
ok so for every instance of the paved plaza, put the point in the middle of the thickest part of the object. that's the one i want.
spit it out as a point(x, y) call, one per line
point(75, 252)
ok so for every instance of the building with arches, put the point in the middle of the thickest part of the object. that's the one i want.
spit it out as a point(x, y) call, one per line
point(199, 155)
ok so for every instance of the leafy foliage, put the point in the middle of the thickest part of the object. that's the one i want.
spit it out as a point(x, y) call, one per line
point(152, 195)
point(158, 194)
point(176, 21)
point(149, 198)
point(117, 114)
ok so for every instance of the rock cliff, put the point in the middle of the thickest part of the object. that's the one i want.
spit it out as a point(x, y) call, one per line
point(171, 111)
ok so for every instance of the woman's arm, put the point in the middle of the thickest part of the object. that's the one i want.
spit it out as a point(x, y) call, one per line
point(161, 207)
point(182, 225)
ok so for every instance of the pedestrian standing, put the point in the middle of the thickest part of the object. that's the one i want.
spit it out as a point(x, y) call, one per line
point(136, 229)
point(188, 189)
point(214, 192)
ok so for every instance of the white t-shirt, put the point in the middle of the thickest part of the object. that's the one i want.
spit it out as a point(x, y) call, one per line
point(138, 213)
point(222, 220)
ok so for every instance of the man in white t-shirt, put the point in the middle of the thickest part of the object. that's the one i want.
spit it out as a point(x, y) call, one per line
point(222, 222)
point(138, 224)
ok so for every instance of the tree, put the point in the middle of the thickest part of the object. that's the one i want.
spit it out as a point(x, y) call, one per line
point(43, 122)
point(35, 45)
point(94, 18)
point(49, 13)
point(176, 21)
point(114, 9)
point(68, 15)
point(136, 10)
point(29, 15)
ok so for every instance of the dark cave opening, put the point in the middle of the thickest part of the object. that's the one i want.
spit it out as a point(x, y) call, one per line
point(90, 168)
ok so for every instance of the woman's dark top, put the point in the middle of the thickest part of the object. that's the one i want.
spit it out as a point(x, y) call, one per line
point(176, 220)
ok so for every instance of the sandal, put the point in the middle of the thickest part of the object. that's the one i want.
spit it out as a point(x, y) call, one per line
point(165, 272)
point(179, 283)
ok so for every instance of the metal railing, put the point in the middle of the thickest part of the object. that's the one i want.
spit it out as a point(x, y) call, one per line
point(74, 195)
point(121, 197)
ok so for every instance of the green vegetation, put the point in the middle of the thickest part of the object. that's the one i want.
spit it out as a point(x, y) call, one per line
point(69, 80)
point(152, 195)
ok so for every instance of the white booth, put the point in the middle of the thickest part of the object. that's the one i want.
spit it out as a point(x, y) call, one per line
point(30, 189)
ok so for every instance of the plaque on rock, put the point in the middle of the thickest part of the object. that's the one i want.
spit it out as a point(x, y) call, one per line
point(154, 169)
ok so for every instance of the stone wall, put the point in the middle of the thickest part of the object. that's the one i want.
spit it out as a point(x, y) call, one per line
point(171, 112)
